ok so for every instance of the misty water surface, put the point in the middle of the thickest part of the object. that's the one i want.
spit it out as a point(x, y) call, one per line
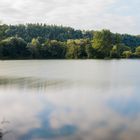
point(70, 99)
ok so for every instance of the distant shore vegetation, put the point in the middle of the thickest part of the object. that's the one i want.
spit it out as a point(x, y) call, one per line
point(41, 41)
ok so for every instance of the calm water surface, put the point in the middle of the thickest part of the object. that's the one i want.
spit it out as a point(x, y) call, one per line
point(70, 100)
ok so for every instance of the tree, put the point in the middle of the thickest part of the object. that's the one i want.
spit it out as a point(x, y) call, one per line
point(50, 32)
point(114, 53)
point(117, 39)
point(41, 41)
point(90, 52)
point(76, 49)
point(131, 41)
point(34, 48)
point(123, 48)
point(137, 52)
point(13, 48)
point(103, 43)
point(3, 29)
point(127, 54)
point(72, 50)
point(81, 48)
point(54, 49)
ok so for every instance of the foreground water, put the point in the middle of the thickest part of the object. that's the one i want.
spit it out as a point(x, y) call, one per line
point(70, 100)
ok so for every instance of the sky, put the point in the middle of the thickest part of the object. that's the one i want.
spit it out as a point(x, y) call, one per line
point(122, 16)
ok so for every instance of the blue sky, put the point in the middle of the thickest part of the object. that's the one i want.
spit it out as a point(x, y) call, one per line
point(121, 16)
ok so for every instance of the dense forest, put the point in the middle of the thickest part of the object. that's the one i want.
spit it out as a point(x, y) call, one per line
point(41, 41)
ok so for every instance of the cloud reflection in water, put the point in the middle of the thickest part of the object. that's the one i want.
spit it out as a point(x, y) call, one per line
point(71, 108)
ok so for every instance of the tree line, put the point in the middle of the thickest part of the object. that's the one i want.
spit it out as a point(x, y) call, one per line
point(41, 41)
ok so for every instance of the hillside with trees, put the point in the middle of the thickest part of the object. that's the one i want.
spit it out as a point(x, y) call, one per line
point(41, 41)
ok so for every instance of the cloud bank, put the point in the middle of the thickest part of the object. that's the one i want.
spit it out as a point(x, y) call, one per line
point(116, 15)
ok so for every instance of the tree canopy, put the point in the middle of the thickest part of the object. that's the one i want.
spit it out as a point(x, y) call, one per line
point(41, 41)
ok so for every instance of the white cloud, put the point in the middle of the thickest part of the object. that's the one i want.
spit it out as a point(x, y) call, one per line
point(80, 14)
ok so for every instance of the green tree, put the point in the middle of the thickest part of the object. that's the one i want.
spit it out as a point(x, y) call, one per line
point(123, 48)
point(72, 50)
point(54, 49)
point(3, 29)
point(126, 54)
point(114, 53)
point(137, 52)
point(76, 49)
point(102, 43)
point(14, 48)
point(34, 48)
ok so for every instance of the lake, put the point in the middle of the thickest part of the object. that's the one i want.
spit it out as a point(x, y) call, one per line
point(70, 99)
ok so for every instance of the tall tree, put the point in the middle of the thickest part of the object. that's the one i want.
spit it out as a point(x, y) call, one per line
point(137, 52)
point(103, 43)
point(14, 48)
